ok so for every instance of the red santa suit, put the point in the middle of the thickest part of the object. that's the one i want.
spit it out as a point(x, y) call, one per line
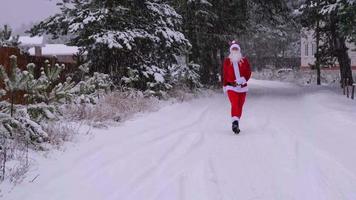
point(235, 77)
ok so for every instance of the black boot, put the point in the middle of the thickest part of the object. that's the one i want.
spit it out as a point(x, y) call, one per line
point(235, 127)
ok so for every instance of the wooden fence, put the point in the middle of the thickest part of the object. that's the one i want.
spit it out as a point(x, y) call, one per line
point(22, 61)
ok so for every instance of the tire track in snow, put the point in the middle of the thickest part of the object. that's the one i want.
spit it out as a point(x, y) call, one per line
point(186, 137)
point(179, 158)
point(139, 146)
point(192, 155)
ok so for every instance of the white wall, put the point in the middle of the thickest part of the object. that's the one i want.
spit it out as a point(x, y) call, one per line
point(307, 43)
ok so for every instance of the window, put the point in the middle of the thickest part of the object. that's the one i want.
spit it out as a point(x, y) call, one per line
point(306, 51)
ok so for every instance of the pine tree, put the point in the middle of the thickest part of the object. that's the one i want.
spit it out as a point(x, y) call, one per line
point(334, 22)
point(272, 33)
point(133, 41)
point(48, 88)
point(211, 25)
point(199, 21)
point(6, 38)
point(90, 88)
point(15, 80)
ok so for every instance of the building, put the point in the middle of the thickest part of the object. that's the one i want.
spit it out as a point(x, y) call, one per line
point(308, 49)
point(62, 52)
point(36, 42)
point(36, 46)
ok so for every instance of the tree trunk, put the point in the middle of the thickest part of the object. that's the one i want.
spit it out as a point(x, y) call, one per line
point(340, 51)
point(344, 60)
point(4, 163)
point(222, 64)
point(215, 66)
point(317, 55)
point(12, 103)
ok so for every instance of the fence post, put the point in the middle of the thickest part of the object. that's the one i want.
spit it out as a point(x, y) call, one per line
point(4, 164)
point(347, 88)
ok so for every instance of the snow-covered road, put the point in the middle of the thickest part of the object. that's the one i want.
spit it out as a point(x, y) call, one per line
point(296, 143)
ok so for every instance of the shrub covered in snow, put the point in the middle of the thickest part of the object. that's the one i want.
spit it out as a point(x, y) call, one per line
point(25, 122)
point(15, 80)
point(113, 107)
point(186, 75)
point(47, 88)
point(43, 95)
point(91, 88)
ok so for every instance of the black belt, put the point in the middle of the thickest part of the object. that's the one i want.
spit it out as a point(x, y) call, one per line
point(235, 84)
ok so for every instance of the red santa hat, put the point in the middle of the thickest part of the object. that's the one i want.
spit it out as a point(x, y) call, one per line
point(233, 45)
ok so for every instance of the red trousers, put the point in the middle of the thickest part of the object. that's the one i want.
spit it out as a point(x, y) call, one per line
point(237, 101)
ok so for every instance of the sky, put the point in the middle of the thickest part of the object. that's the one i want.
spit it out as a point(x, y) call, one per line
point(18, 12)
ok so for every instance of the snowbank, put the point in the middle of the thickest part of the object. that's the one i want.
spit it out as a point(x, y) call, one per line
point(301, 77)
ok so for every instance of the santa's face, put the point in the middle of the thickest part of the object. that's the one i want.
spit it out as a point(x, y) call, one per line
point(235, 55)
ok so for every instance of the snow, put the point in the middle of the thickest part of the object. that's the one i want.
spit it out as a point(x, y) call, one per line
point(56, 50)
point(159, 78)
point(31, 41)
point(204, 2)
point(296, 143)
point(116, 39)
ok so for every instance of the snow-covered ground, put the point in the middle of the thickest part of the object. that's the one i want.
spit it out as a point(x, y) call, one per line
point(296, 143)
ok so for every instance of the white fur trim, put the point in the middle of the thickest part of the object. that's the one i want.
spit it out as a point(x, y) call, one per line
point(237, 89)
point(234, 118)
point(235, 46)
point(241, 80)
point(236, 69)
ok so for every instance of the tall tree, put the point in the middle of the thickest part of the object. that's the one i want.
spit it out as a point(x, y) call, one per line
point(211, 25)
point(311, 18)
point(199, 26)
point(135, 41)
point(6, 38)
point(272, 34)
point(334, 21)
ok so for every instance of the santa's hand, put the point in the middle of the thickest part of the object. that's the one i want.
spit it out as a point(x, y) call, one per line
point(224, 90)
point(241, 81)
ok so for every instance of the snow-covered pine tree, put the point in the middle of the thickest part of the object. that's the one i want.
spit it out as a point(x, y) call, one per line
point(91, 88)
point(272, 33)
point(2, 91)
point(347, 10)
point(199, 22)
point(186, 75)
point(6, 38)
point(48, 88)
point(14, 119)
point(211, 25)
point(311, 19)
point(133, 41)
point(349, 23)
point(15, 80)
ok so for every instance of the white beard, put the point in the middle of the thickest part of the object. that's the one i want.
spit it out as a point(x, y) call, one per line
point(235, 56)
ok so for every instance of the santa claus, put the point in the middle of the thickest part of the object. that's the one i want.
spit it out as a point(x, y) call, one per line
point(236, 73)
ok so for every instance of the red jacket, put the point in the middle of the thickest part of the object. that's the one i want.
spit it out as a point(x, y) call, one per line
point(229, 74)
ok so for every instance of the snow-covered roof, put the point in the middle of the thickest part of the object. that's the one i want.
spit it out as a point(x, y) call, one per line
point(31, 41)
point(56, 50)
